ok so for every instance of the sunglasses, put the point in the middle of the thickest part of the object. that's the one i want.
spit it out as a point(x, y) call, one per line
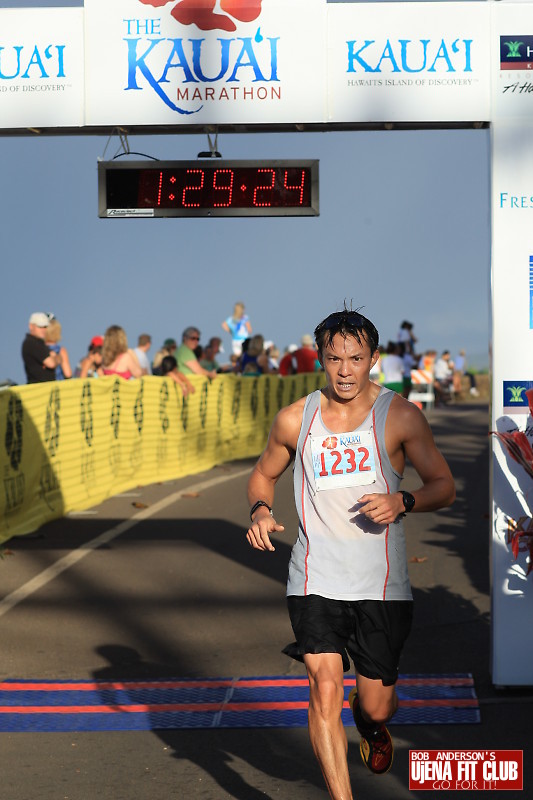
point(194, 338)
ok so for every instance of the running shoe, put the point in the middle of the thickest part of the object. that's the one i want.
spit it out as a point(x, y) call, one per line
point(377, 750)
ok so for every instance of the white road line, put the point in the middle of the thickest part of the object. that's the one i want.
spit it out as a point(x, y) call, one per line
point(47, 575)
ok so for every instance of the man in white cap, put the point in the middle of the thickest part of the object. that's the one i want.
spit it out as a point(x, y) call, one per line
point(302, 359)
point(39, 362)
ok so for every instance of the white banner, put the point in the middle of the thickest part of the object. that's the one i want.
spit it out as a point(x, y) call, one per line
point(408, 62)
point(154, 62)
point(512, 311)
point(160, 62)
point(41, 67)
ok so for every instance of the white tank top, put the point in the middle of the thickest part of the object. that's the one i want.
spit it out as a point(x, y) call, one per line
point(339, 553)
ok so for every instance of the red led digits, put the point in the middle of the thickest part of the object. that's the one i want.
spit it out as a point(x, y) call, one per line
point(222, 188)
point(298, 188)
point(226, 188)
point(193, 188)
point(159, 189)
point(264, 187)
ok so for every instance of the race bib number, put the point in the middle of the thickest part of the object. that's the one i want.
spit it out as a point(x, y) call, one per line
point(342, 460)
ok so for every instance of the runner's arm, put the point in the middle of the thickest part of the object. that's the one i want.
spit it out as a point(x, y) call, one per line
point(273, 462)
point(438, 488)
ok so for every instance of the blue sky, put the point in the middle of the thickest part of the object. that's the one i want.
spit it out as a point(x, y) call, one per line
point(403, 231)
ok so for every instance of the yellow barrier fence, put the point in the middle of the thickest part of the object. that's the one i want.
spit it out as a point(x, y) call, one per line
point(69, 445)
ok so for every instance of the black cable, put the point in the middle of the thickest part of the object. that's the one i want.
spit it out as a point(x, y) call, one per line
point(133, 153)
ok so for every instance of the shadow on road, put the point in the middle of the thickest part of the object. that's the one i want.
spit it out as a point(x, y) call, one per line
point(221, 752)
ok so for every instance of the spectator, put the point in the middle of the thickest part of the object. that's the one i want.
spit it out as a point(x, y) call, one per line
point(459, 369)
point(238, 359)
point(208, 360)
point(144, 343)
point(39, 363)
point(187, 361)
point(305, 356)
point(427, 361)
point(169, 369)
point(52, 339)
point(303, 359)
point(443, 373)
point(273, 356)
point(406, 336)
point(91, 365)
point(117, 359)
point(392, 367)
point(168, 349)
point(287, 366)
point(254, 360)
point(376, 373)
point(238, 325)
point(409, 360)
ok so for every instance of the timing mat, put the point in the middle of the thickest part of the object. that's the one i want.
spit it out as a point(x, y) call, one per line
point(180, 703)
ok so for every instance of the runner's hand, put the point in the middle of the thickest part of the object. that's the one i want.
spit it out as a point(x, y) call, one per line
point(381, 508)
point(259, 532)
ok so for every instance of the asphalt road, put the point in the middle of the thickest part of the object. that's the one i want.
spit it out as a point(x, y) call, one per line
point(160, 582)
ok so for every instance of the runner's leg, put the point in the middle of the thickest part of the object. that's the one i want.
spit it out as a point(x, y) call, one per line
point(377, 702)
point(326, 731)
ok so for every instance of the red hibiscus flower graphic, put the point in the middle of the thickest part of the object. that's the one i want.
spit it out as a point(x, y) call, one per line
point(330, 443)
point(202, 12)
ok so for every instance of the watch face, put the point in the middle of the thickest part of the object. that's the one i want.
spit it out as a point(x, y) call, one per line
point(408, 501)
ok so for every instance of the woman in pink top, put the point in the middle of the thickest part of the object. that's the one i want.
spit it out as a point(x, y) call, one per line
point(117, 359)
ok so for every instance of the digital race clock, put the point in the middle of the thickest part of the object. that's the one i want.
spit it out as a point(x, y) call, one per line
point(207, 189)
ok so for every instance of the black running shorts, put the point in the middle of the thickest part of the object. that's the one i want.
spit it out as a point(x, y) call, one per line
point(371, 632)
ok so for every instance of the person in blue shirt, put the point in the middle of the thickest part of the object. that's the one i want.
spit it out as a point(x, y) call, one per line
point(238, 326)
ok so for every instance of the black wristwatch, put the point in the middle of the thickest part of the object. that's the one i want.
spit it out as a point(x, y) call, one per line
point(408, 501)
point(258, 505)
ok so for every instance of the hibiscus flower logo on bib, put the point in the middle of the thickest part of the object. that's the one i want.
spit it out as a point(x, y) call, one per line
point(330, 443)
point(211, 15)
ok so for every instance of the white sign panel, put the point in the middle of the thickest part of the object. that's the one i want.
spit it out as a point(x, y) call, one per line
point(152, 62)
point(512, 311)
point(41, 68)
point(408, 62)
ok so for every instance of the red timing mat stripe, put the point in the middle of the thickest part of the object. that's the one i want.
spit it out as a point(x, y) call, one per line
point(90, 686)
point(208, 707)
point(152, 709)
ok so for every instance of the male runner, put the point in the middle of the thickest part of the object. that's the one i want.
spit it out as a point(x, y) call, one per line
point(348, 589)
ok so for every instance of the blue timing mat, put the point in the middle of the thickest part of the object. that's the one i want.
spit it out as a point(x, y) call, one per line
point(267, 702)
